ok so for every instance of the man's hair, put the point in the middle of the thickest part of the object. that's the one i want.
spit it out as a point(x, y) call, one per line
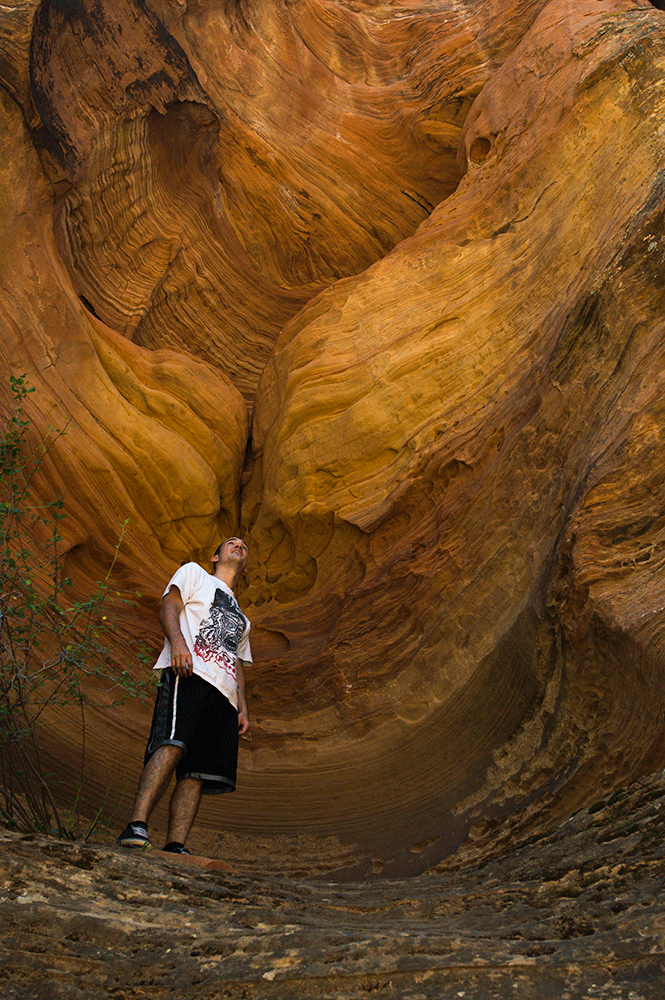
point(222, 544)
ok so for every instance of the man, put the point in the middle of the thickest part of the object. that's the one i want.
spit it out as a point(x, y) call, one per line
point(201, 705)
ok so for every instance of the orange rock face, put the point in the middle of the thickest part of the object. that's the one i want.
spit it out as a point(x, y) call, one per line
point(380, 287)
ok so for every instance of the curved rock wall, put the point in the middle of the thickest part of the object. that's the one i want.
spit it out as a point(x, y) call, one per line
point(381, 288)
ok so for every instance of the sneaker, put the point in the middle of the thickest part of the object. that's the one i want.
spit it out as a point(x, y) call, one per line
point(134, 835)
point(175, 848)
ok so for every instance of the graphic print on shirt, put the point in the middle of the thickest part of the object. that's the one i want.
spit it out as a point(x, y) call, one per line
point(220, 633)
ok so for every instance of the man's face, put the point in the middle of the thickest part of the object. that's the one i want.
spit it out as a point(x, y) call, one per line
point(233, 550)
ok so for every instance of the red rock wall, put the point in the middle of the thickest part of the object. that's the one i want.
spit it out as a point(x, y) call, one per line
point(418, 251)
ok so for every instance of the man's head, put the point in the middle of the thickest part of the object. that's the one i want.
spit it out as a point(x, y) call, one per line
point(232, 553)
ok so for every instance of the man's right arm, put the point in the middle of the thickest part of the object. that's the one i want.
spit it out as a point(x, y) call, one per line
point(169, 616)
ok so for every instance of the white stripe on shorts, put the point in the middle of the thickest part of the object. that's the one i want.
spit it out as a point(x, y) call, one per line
point(175, 706)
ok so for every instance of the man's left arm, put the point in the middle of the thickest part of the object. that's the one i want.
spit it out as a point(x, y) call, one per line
point(243, 711)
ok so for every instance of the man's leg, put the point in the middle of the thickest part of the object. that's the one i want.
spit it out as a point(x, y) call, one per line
point(154, 781)
point(183, 808)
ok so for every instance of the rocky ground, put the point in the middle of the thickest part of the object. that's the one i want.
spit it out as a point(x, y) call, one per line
point(577, 913)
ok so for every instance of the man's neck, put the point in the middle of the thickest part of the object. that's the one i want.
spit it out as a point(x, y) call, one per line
point(228, 575)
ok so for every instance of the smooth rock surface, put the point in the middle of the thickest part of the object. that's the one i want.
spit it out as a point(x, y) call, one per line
point(380, 287)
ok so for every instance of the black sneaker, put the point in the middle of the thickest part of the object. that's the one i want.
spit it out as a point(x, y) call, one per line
point(175, 847)
point(134, 835)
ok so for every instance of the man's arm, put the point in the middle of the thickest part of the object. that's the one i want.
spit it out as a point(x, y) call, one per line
point(243, 711)
point(169, 616)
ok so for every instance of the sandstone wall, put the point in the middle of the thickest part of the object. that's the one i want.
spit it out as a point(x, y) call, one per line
point(380, 287)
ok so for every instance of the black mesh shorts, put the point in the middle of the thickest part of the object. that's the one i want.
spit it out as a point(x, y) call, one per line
point(194, 715)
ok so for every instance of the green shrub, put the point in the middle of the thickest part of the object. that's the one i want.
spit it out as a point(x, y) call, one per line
point(52, 650)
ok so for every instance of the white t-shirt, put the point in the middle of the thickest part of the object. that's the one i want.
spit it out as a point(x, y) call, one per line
point(214, 628)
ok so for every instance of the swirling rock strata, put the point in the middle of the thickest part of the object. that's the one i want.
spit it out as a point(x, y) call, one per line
point(453, 483)
point(461, 406)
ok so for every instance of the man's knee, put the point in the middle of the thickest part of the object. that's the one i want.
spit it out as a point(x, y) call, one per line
point(167, 755)
point(188, 787)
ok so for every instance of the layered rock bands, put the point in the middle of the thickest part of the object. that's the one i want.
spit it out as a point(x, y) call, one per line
point(380, 287)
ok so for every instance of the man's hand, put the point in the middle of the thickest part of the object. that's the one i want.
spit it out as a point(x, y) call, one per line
point(243, 712)
point(169, 616)
point(181, 659)
point(243, 721)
